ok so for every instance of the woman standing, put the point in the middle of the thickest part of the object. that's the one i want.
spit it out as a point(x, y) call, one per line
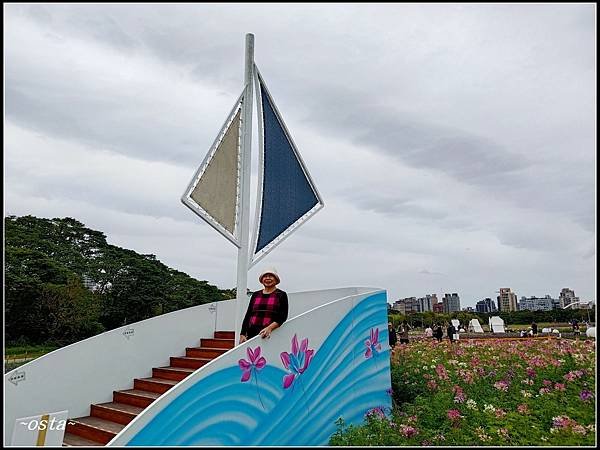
point(267, 310)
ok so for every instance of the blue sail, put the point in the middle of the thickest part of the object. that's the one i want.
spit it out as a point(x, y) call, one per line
point(287, 196)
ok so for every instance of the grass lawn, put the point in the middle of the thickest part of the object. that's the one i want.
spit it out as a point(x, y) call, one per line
point(19, 355)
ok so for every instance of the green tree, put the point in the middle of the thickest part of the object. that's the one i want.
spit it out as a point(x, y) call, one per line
point(46, 264)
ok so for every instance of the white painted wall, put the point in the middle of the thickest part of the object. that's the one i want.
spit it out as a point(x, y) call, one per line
point(315, 321)
point(73, 377)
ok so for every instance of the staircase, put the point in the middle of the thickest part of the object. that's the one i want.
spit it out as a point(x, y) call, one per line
point(106, 420)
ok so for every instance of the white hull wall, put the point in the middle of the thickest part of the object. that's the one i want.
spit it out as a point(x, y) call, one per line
point(86, 372)
point(215, 407)
point(73, 377)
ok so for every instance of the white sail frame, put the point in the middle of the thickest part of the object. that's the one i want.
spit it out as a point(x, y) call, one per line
point(187, 199)
point(257, 256)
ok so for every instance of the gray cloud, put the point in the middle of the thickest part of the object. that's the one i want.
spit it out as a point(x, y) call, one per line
point(427, 272)
point(424, 145)
point(394, 206)
point(495, 103)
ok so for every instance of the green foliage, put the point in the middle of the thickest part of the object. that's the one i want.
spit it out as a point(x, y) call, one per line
point(48, 262)
point(23, 350)
point(403, 389)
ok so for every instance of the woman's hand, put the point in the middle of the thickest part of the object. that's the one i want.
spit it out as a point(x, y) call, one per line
point(242, 339)
point(266, 332)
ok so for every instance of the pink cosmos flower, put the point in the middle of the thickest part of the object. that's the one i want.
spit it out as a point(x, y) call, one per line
point(441, 371)
point(453, 414)
point(459, 395)
point(559, 386)
point(376, 412)
point(562, 422)
point(297, 361)
point(571, 376)
point(523, 408)
point(256, 362)
point(407, 431)
point(501, 385)
point(466, 375)
point(432, 385)
point(372, 344)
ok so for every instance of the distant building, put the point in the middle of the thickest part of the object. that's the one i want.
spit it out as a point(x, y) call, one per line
point(426, 303)
point(407, 305)
point(566, 297)
point(469, 309)
point(507, 300)
point(434, 299)
point(588, 305)
point(398, 306)
point(438, 307)
point(486, 305)
point(546, 303)
point(451, 302)
point(411, 305)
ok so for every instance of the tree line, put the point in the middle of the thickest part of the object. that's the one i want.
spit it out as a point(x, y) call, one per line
point(48, 263)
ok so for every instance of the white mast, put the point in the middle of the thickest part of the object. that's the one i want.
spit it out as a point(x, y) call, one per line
point(244, 217)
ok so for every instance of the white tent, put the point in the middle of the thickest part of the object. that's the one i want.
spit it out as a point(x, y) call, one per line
point(591, 332)
point(475, 326)
point(497, 325)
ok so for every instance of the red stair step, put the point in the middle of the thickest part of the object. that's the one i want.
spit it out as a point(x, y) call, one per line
point(217, 343)
point(135, 397)
point(153, 384)
point(225, 334)
point(94, 428)
point(117, 412)
point(73, 440)
point(190, 363)
point(172, 373)
point(204, 352)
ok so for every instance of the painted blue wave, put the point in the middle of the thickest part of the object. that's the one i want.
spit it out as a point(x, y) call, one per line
point(339, 382)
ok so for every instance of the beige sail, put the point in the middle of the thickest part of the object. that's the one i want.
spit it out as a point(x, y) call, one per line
point(217, 189)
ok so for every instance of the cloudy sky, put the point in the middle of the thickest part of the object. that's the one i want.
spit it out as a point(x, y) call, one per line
point(454, 145)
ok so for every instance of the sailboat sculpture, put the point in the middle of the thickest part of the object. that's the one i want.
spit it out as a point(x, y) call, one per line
point(219, 191)
point(207, 397)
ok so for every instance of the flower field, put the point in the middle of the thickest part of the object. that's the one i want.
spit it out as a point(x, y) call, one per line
point(497, 392)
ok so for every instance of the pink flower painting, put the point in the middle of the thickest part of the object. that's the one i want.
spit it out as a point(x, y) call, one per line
point(252, 366)
point(297, 361)
point(255, 363)
point(373, 345)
